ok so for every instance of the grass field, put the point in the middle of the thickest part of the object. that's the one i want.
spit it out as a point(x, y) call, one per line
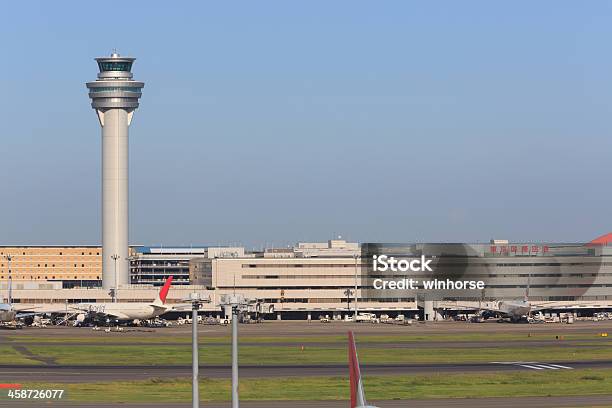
point(559, 383)
point(99, 348)
point(262, 355)
point(8, 355)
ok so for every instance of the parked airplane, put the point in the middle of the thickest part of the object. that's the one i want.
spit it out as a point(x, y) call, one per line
point(520, 310)
point(8, 313)
point(517, 309)
point(358, 399)
point(129, 311)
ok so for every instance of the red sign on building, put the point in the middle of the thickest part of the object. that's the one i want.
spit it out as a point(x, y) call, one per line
point(519, 249)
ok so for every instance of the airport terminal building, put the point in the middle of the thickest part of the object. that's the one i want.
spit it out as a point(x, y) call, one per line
point(70, 265)
point(314, 279)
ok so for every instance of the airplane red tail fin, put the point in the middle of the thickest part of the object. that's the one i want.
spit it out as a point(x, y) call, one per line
point(357, 394)
point(604, 240)
point(163, 293)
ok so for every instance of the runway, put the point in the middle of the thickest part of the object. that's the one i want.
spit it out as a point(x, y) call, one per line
point(532, 402)
point(80, 374)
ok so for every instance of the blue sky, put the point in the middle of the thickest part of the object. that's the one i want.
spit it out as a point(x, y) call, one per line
point(274, 122)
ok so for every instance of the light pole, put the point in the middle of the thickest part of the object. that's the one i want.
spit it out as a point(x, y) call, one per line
point(348, 294)
point(196, 302)
point(195, 360)
point(115, 257)
point(355, 287)
point(9, 280)
point(235, 395)
point(237, 304)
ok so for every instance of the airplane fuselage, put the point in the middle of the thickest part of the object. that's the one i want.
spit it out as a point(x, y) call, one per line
point(515, 309)
point(7, 313)
point(123, 311)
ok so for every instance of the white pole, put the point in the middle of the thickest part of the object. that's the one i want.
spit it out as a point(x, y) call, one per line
point(195, 361)
point(235, 397)
point(115, 257)
point(9, 280)
point(355, 288)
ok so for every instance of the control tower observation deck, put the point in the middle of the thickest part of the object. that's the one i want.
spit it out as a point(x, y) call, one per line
point(114, 96)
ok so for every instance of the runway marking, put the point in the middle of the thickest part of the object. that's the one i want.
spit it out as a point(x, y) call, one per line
point(534, 365)
point(561, 366)
point(530, 366)
point(550, 367)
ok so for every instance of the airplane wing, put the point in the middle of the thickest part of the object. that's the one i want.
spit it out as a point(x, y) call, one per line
point(22, 312)
point(112, 315)
point(558, 305)
point(161, 309)
point(24, 309)
point(22, 315)
point(474, 309)
point(543, 306)
point(182, 307)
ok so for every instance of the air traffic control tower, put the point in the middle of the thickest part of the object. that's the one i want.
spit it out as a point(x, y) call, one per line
point(114, 96)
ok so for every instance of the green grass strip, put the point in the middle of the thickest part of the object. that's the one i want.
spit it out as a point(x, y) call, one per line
point(516, 384)
point(8, 355)
point(262, 355)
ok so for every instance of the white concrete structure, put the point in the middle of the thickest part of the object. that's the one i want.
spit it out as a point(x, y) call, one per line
point(114, 96)
point(153, 265)
point(310, 278)
point(319, 279)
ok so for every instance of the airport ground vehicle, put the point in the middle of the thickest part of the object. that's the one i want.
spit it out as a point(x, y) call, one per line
point(367, 317)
